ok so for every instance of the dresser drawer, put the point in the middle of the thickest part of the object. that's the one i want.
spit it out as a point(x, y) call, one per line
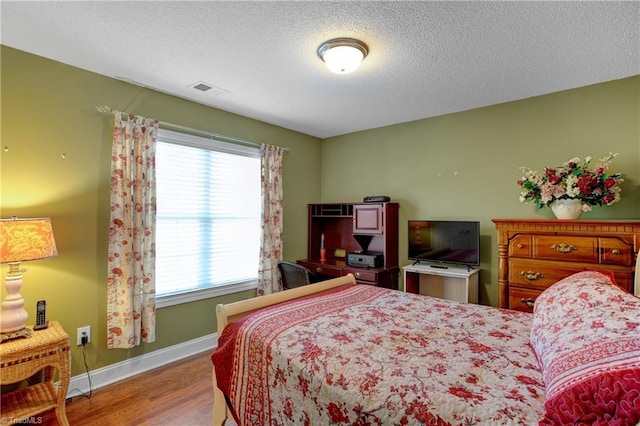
point(520, 246)
point(614, 251)
point(566, 248)
point(521, 299)
point(624, 280)
point(536, 275)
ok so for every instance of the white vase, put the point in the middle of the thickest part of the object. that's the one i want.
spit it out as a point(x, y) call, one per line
point(567, 209)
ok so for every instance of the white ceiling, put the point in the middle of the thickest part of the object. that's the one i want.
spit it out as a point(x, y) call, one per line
point(426, 58)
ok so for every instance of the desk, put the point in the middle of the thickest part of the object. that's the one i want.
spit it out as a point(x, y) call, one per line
point(331, 268)
point(47, 349)
point(457, 283)
point(351, 228)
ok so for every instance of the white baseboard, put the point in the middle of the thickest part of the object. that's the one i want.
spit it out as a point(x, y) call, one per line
point(80, 385)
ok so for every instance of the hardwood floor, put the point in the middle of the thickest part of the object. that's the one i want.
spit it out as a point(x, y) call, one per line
point(177, 394)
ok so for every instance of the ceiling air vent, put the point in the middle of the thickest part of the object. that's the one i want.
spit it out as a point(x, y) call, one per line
point(209, 89)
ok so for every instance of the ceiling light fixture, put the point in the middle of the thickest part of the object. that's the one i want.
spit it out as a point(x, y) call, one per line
point(342, 55)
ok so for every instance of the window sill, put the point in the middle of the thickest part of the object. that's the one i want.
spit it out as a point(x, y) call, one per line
point(192, 296)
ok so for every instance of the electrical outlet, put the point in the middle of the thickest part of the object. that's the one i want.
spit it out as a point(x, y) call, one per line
point(84, 332)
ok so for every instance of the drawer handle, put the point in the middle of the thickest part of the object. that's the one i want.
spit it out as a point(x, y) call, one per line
point(520, 245)
point(528, 302)
point(318, 269)
point(358, 274)
point(564, 248)
point(615, 251)
point(530, 275)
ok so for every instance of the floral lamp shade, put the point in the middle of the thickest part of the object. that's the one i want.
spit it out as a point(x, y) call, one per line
point(26, 239)
point(21, 240)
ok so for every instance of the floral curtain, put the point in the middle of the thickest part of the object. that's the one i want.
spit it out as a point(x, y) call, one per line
point(271, 240)
point(131, 256)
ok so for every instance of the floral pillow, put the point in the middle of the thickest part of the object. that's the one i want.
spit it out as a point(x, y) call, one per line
point(586, 335)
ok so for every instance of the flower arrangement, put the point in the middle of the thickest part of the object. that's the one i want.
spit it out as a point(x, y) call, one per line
point(575, 179)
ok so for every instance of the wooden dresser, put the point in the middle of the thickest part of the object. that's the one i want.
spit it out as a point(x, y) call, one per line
point(535, 253)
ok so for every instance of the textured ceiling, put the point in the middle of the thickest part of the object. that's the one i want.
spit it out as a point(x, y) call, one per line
point(426, 58)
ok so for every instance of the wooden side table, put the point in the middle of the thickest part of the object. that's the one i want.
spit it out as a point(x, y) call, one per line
point(454, 282)
point(47, 349)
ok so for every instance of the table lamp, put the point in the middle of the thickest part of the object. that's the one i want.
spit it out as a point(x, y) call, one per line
point(21, 240)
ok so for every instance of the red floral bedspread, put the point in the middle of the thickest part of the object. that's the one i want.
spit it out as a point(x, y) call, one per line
point(363, 355)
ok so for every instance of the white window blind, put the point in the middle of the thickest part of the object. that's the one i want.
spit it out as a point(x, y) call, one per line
point(208, 216)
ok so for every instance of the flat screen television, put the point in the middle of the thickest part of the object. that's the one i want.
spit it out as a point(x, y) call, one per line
point(444, 241)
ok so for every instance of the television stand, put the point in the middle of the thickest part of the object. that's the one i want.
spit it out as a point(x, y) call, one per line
point(454, 282)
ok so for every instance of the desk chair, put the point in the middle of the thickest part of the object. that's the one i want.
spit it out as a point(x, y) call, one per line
point(294, 275)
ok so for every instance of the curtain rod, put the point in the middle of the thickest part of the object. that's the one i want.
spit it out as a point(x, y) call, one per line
point(105, 109)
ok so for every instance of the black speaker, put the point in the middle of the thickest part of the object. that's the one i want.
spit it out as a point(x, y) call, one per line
point(376, 199)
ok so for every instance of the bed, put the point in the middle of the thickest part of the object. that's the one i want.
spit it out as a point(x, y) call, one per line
point(342, 353)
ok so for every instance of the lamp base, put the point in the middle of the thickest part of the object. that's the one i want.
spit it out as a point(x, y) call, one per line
point(24, 333)
point(13, 317)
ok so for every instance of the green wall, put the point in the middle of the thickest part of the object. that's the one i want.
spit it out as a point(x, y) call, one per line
point(48, 109)
point(460, 165)
point(465, 165)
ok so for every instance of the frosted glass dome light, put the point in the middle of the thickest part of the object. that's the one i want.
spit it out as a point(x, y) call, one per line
point(342, 55)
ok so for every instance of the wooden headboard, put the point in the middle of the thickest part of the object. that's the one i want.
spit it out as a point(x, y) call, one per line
point(231, 312)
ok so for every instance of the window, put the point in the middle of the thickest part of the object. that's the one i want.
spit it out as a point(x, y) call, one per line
point(208, 218)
